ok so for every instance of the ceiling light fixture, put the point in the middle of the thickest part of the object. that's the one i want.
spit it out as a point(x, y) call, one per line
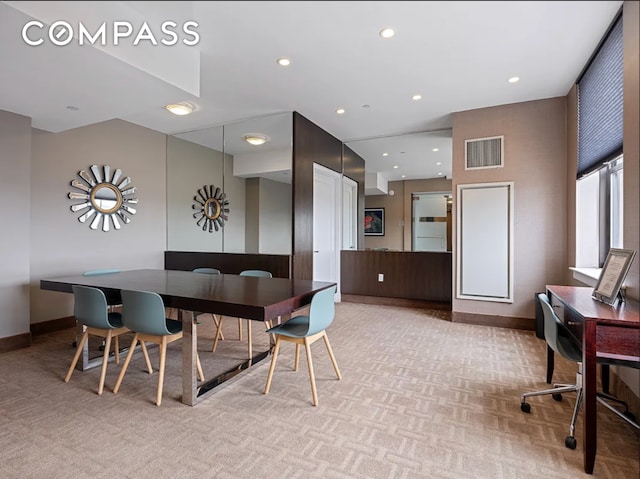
point(436, 149)
point(181, 109)
point(385, 154)
point(340, 111)
point(256, 139)
point(387, 32)
point(514, 79)
point(284, 62)
point(395, 167)
point(416, 97)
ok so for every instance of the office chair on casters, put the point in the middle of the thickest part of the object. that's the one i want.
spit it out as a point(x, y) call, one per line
point(558, 339)
point(305, 330)
point(143, 313)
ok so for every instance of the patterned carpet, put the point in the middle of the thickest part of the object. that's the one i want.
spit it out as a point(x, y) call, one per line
point(420, 397)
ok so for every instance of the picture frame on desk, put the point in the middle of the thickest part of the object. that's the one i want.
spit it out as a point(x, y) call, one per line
point(615, 269)
point(374, 221)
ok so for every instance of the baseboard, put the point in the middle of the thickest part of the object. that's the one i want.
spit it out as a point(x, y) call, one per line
point(12, 343)
point(46, 327)
point(402, 302)
point(528, 324)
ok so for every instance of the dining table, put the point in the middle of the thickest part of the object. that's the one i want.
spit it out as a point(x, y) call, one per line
point(247, 297)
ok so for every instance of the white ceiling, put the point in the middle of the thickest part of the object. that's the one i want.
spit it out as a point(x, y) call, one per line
point(457, 55)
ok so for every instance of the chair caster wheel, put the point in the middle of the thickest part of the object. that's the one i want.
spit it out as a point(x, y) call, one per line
point(557, 396)
point(525, 407)
point(570, 442)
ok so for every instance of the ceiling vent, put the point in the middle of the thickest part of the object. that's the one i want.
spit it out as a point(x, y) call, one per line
point(484, 153)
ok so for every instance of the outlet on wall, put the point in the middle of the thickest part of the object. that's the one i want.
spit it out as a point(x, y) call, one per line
point(381, 277)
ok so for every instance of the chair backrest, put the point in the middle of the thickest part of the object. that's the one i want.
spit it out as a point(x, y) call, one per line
point(553, 329)
point(143, 312)
point(256, 272)
point(90, 307)
point(322, 310)
point(97, 272)
point(207, 270)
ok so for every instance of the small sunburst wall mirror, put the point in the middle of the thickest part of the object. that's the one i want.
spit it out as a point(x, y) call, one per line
point(212, 207)
point(106, 199)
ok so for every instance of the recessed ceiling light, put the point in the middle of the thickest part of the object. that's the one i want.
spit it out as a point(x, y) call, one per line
point(387, 32)
point(514, 79)
point(436, 149)
point(416, 97)
point(404, 176)
point(395, 166)
point(385, 154)
point(284, 62)
point(256, 139)
point(181, 109)
point(439, 163)
point(439, 174)
point(340, 111)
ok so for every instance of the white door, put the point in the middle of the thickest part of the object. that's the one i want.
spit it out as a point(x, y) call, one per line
point(327, 218)
point(349, 213)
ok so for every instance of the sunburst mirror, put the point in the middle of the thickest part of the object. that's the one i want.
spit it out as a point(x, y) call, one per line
point(212, 207)
point(106, 199)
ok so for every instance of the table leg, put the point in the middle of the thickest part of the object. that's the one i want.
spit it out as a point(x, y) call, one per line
point(189, 357)
point(589, 378)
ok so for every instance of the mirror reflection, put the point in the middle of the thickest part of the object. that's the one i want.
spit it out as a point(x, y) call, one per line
point(251, 162)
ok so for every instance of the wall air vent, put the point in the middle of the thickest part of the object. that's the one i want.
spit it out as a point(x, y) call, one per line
point(484, 153)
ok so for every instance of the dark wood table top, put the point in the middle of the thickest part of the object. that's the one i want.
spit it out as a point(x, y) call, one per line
point(227, 294)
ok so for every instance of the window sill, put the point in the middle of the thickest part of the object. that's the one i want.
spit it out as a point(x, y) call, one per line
point(588, 276)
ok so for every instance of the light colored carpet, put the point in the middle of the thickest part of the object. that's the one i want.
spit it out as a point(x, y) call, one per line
point(420, 397)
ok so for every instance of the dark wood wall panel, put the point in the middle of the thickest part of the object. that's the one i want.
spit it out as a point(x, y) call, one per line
point(311, 144)
point(228, 263)
point(353, 167)
point(409, 275)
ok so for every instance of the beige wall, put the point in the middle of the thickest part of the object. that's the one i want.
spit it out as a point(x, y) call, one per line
point(15, 207)
point(535, 160)
point(397, 210)
point(60, 244)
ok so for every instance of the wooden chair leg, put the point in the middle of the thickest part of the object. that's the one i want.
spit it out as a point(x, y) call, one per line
point(145, 353)
point(199, 366)
point(76, 356)
point(116, 349)
point(312, 379)
point(105, 361)
point(127, 360)
point(296, 360)
point(333, 359)
point(216, 323)
point(249, 339)
point(272, 367)
point(218, 334)
point(163, 360)
point(239, 329)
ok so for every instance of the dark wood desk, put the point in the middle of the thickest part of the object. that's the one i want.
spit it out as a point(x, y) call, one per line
point(260, 299)
point(603, 331)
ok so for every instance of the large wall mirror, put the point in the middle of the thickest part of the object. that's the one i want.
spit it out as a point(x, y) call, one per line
point(250, 161)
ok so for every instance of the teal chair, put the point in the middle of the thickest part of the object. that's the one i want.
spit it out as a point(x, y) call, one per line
point(248, 272)
point(91, 312)
point(143, 313)
point(217, 321)
point(305, 330)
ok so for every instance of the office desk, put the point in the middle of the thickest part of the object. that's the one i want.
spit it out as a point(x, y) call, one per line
point(604, 332)
point(260, 299)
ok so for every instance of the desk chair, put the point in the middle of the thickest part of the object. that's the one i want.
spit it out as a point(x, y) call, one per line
point(91, 312)
point(144, 313)
point(305, 330)
point(249, 272)
point(559, 340)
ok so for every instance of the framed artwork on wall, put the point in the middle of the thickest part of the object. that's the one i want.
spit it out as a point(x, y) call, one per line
point(374, 221)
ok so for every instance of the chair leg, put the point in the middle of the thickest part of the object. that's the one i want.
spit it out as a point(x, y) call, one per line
point(127, 360)
point(163, 360)
point(312, 379)
point(105, 361)
point(145, 353)
point(272, 367)
point(199, 366)
point(249, 339)
point(574, 417)
point(333, 359)
point(218, 335)
point(216, 323)
point(239, 329)
point(76, 356)
point(116, 349)
point(296, 360)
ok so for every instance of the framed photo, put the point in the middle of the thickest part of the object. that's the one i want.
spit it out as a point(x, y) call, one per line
point(374, 221)
point(614, 271)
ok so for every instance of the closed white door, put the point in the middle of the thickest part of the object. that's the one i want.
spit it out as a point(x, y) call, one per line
point(327, 218)
point(349, 213)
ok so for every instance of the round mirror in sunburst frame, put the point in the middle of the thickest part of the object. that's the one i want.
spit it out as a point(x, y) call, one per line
point(106, 199)
point(212, 205)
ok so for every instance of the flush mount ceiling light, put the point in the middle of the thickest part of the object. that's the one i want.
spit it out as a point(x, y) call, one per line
point(387, 32)
point(283, 62)
point(340, 111)
point(514, 79)
point(181, 109)
point(416, 97)
point(256, 139)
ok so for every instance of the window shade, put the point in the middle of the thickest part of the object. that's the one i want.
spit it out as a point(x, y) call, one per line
point(600, 104)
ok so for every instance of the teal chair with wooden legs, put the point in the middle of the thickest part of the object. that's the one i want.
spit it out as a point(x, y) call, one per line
point(91, 312)
point(143, 313)
point(304, 331)
point(216, 320)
